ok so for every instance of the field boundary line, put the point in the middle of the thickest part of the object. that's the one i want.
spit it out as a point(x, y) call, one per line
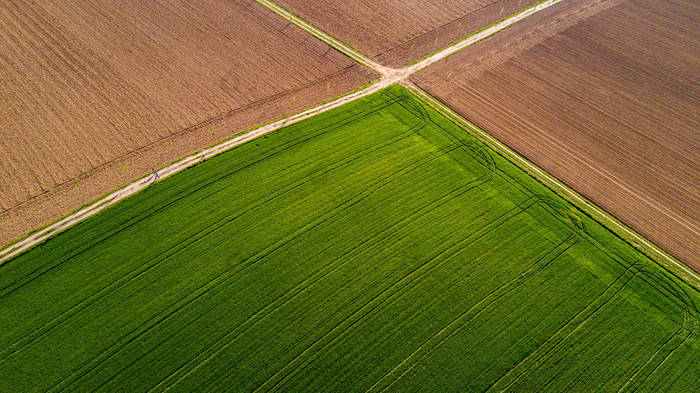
point(636, 240)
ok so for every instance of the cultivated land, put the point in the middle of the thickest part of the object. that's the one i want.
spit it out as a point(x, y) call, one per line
point(95, 94)
point(604, 95)
point(396, 32)
point(373, 247)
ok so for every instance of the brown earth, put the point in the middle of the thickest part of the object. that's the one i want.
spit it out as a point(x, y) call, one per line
point(94, 94)
point(604, 95)
point(396, 32)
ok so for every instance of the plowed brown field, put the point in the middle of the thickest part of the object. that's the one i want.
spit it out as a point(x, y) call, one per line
point(396, 32)
point(94, 94)
point(604, 95)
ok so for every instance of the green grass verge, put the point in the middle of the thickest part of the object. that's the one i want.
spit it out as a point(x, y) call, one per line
point(376, 246)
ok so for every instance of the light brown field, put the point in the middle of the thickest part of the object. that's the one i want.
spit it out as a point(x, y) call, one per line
point(395, 32)
point(94, 94)
point(604, 95)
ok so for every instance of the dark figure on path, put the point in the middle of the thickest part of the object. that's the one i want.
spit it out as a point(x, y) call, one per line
point(155, 175)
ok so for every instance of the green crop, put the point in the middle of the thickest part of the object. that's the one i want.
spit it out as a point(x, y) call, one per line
point(374, 247)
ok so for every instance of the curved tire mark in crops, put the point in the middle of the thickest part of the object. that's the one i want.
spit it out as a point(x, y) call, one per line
point(163, 256)
point(684, 332)
point(686, 317)
point(673, 292)
point(456, 134)
point(544, 352)
point(200, 187)
point(226, 275)
point(393, 289)
point(536, 357)
point(473, 311)
point(471, 147)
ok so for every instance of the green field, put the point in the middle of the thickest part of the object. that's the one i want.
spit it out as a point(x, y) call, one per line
point(373, 247)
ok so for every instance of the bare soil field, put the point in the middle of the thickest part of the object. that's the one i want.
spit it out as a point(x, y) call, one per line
point(95, 94)
point(394, 32)
point(604, 95)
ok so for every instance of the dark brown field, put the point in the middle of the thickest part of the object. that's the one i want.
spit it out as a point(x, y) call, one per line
point(396, 32)
point(94, 94)
point(604, 95)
